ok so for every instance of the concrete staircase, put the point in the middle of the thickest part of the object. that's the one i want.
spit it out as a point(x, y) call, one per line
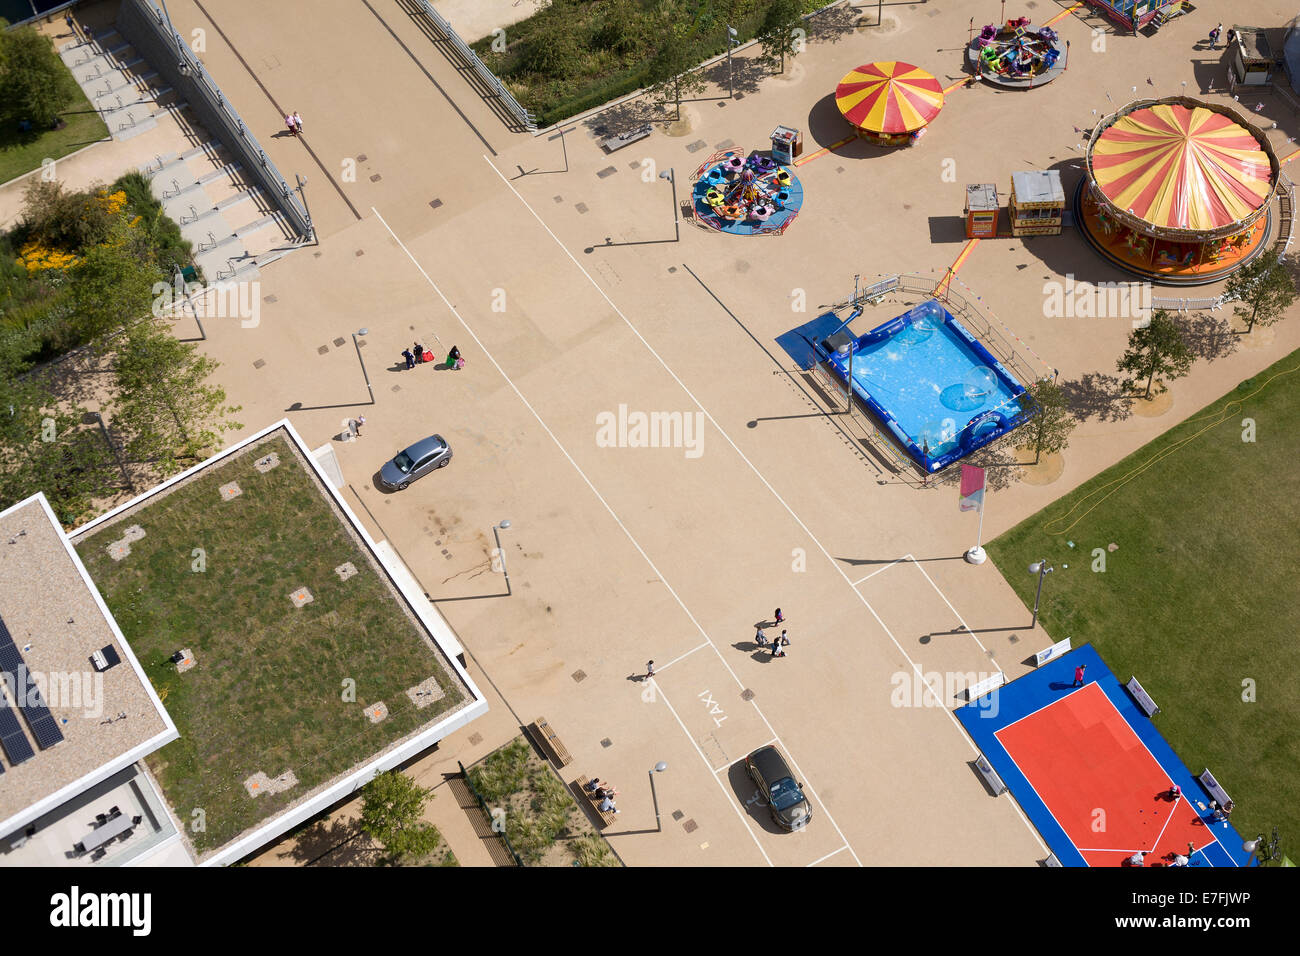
point(233, 228)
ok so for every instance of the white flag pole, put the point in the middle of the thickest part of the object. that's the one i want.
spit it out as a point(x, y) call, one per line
point(976, 554)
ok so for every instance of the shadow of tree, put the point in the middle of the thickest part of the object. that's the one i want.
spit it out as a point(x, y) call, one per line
point(747, 73)
point(1095, 394)
point(833, 25)
point(627, 116)
point(999, 459)
point(1208, 336)
point(334, 842)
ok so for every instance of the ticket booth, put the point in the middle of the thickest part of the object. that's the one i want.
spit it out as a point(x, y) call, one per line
point(981, 211)
point(787, 143)
point(1037, 206)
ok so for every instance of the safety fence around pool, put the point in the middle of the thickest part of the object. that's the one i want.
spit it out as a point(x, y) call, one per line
point(970, 309)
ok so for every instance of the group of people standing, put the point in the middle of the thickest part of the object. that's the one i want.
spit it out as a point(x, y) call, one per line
point(777, 644)
point(418, 354)
point(294, 122)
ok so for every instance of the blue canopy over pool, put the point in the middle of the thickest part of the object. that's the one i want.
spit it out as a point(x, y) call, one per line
point(933, 385)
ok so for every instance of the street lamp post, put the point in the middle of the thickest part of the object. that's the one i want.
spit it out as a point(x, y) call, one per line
point(504, 526)
point(660, 767)
point(1041, 569)
point(731, 41)
point(356, 345)
point(847, 350)
point(677, 228)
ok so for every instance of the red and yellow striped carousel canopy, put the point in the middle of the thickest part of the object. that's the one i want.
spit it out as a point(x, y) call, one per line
point(1182, 167)
point(889, 97)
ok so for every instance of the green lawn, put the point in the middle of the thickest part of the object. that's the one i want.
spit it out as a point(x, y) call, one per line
point(1199, 600)
point(575, 55)
point(22, 152)
point(267, 692)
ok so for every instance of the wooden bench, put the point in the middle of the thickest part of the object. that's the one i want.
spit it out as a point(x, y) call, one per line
point(547, 739)
point(606, 816)
point(615, 143)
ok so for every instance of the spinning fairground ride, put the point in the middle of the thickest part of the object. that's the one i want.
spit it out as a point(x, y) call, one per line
point(754, 196)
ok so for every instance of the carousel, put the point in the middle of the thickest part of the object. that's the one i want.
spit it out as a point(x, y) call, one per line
point(889, 103)
point(1017, 54)
point(1177, 190)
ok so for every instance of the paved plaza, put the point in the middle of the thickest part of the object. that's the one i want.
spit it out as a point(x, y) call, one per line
point(555, 269)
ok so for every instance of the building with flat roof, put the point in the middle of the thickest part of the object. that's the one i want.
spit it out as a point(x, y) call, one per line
point(272, 659)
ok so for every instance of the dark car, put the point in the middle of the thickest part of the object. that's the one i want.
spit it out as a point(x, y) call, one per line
point(776, 785)
point(415, 462)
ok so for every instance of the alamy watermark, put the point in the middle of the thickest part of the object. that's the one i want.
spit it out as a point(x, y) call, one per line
point(67, 690)
point(631, 429)
point(1101, 300)
point(218, 300)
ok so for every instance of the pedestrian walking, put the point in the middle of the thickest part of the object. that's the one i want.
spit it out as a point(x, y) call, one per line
point(356, 425)
point(649, 669)
point(418, 349)
point(410, 359)
point(1232, 35)
point(454, 359)
point(72, 27)
point(1078, 675)
point(780, 618)
point(288, 121)
point(760, 638)
point(1214, 36)
point(89, 34)
point(297, 122)
point(779, 645)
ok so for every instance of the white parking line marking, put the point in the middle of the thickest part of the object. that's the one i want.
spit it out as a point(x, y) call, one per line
point(723, 787)
point(682, 657)
point(878, 570)
point(728, 766)
point(784, 504)
point(829, 855)
point(973, 635)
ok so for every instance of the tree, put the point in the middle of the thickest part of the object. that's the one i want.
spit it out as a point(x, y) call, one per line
point(1156, 349)
point(391, 805)
point(43, 447)
point(782, 31)
point(34, 83)
point(672, 74)
point(1263, 291)
point(165, 410)
point(1049, 431)
point(63, 220)
point(112, 288)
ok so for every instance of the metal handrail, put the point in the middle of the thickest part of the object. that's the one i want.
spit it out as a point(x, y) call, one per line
point(521, 115)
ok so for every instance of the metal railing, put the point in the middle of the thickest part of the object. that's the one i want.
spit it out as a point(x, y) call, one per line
point(521, 115)
point(487, 811)
point(148, 30)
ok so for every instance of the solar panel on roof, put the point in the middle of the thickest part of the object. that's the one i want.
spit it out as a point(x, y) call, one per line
point(16, 747)
point(27, 694)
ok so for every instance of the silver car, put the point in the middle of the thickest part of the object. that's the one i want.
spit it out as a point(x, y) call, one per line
point(424, 456)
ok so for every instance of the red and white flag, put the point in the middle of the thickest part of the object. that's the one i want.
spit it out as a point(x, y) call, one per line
point(972, 489)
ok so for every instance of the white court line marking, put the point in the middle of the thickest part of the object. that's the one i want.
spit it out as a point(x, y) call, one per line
point(916, 564)
point(681, 657)
point(997, 736)
point(599, 497)
point(878, 570)
point(829, 855)
point(777, 495)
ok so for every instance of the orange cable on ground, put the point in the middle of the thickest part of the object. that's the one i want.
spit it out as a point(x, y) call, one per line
point(1063, 14)
point(1288, 158)
point(826, 149)
point(946, 281)
point(965, 81)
